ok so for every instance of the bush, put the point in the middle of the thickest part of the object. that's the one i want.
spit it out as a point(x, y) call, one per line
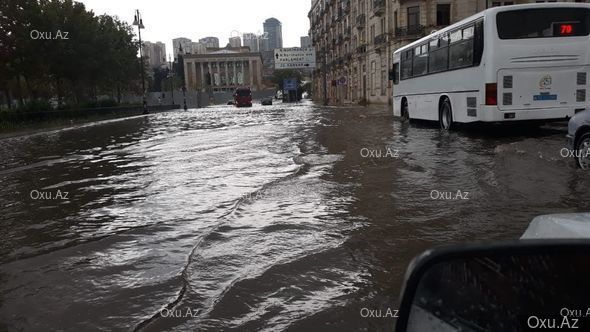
point(107, 103)
point(36, 106)
point(99, 103)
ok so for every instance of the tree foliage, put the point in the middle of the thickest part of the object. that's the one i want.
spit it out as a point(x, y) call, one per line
point(56, 48)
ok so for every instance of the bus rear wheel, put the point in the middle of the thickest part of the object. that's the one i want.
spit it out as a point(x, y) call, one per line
point(445, 115)
point(405, 114)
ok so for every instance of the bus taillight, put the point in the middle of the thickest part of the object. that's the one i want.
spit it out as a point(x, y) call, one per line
point(491, 94)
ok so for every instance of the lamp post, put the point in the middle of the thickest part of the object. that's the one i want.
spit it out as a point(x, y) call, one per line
point(325, 65)
point(184, 96)
point(139, 22)
point(171, 77)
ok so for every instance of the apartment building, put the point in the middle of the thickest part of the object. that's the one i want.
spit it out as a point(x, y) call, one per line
point(355, 40)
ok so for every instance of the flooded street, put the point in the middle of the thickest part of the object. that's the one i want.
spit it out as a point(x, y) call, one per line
point(286, 217)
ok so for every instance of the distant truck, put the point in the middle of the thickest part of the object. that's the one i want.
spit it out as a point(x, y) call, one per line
point(243, 97)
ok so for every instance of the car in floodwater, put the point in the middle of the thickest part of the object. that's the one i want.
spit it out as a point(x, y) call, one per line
point(266, 101)
point(579, 138)
point(243, 97)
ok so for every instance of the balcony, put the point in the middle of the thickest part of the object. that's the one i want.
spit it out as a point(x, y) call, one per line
point(381, 39)
point(361, 49)
point(378, 7)
point(410, 32)
point(361, 20)
point(346, 6)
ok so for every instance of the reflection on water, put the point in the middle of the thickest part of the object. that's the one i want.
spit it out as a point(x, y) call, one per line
point(252, 219)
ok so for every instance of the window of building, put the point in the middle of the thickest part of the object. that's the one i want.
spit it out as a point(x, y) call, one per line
point(395, 20)
point(373, 32)
point(413, 18)
point(382, 25)
point(443, 14)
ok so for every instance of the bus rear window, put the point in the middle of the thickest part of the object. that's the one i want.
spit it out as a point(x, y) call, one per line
point(543, 23)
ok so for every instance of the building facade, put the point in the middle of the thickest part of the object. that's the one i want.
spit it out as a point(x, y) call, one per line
point(273, 34)
point(180, 43)
point(355, 41)
point(155, 53)
point(251, 40)
point(305, 42)
point(223, 70)
point(210, 42)
point(196, 48)
point(235, 41)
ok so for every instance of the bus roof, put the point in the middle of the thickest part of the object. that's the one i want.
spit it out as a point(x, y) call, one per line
point(492, 11)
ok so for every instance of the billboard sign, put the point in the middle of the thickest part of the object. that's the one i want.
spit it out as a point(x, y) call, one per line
point(294, 58)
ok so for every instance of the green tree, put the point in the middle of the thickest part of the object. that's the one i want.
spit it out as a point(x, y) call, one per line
point(87, 55)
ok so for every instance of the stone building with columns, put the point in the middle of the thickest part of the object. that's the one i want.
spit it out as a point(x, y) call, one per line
point(223, 70)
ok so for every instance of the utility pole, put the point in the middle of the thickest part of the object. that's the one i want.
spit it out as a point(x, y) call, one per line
point(139, 22)
point(325, 55)
point(171, 77)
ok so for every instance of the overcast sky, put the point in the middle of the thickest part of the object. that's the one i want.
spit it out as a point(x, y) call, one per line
point(194, 19)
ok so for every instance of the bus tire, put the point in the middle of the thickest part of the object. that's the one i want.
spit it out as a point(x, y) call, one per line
point(405, 114)
point(582, 150)
point(445, 115)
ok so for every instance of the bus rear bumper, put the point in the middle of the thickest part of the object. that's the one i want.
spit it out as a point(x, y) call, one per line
point(493, 114)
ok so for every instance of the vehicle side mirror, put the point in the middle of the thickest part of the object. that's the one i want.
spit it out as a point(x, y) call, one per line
point(513, 286)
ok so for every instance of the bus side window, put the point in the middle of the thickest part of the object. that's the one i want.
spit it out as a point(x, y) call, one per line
point(478, 46)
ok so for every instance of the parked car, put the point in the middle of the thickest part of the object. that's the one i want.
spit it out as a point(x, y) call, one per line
point(266, 101)
point(579, 138)
point(230, 102)
point(243, 97)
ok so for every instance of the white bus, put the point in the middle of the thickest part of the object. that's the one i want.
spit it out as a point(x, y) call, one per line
point(519, 62)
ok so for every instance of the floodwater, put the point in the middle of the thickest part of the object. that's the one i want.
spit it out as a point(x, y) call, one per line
point(288, 217)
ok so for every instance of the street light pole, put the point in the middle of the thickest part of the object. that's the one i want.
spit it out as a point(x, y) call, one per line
point(139, 22)
point(184, 96)
point(325, 55)
point(171, 78)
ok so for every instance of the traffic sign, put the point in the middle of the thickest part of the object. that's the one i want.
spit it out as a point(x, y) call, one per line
point(294, 58)
point(290, 84)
